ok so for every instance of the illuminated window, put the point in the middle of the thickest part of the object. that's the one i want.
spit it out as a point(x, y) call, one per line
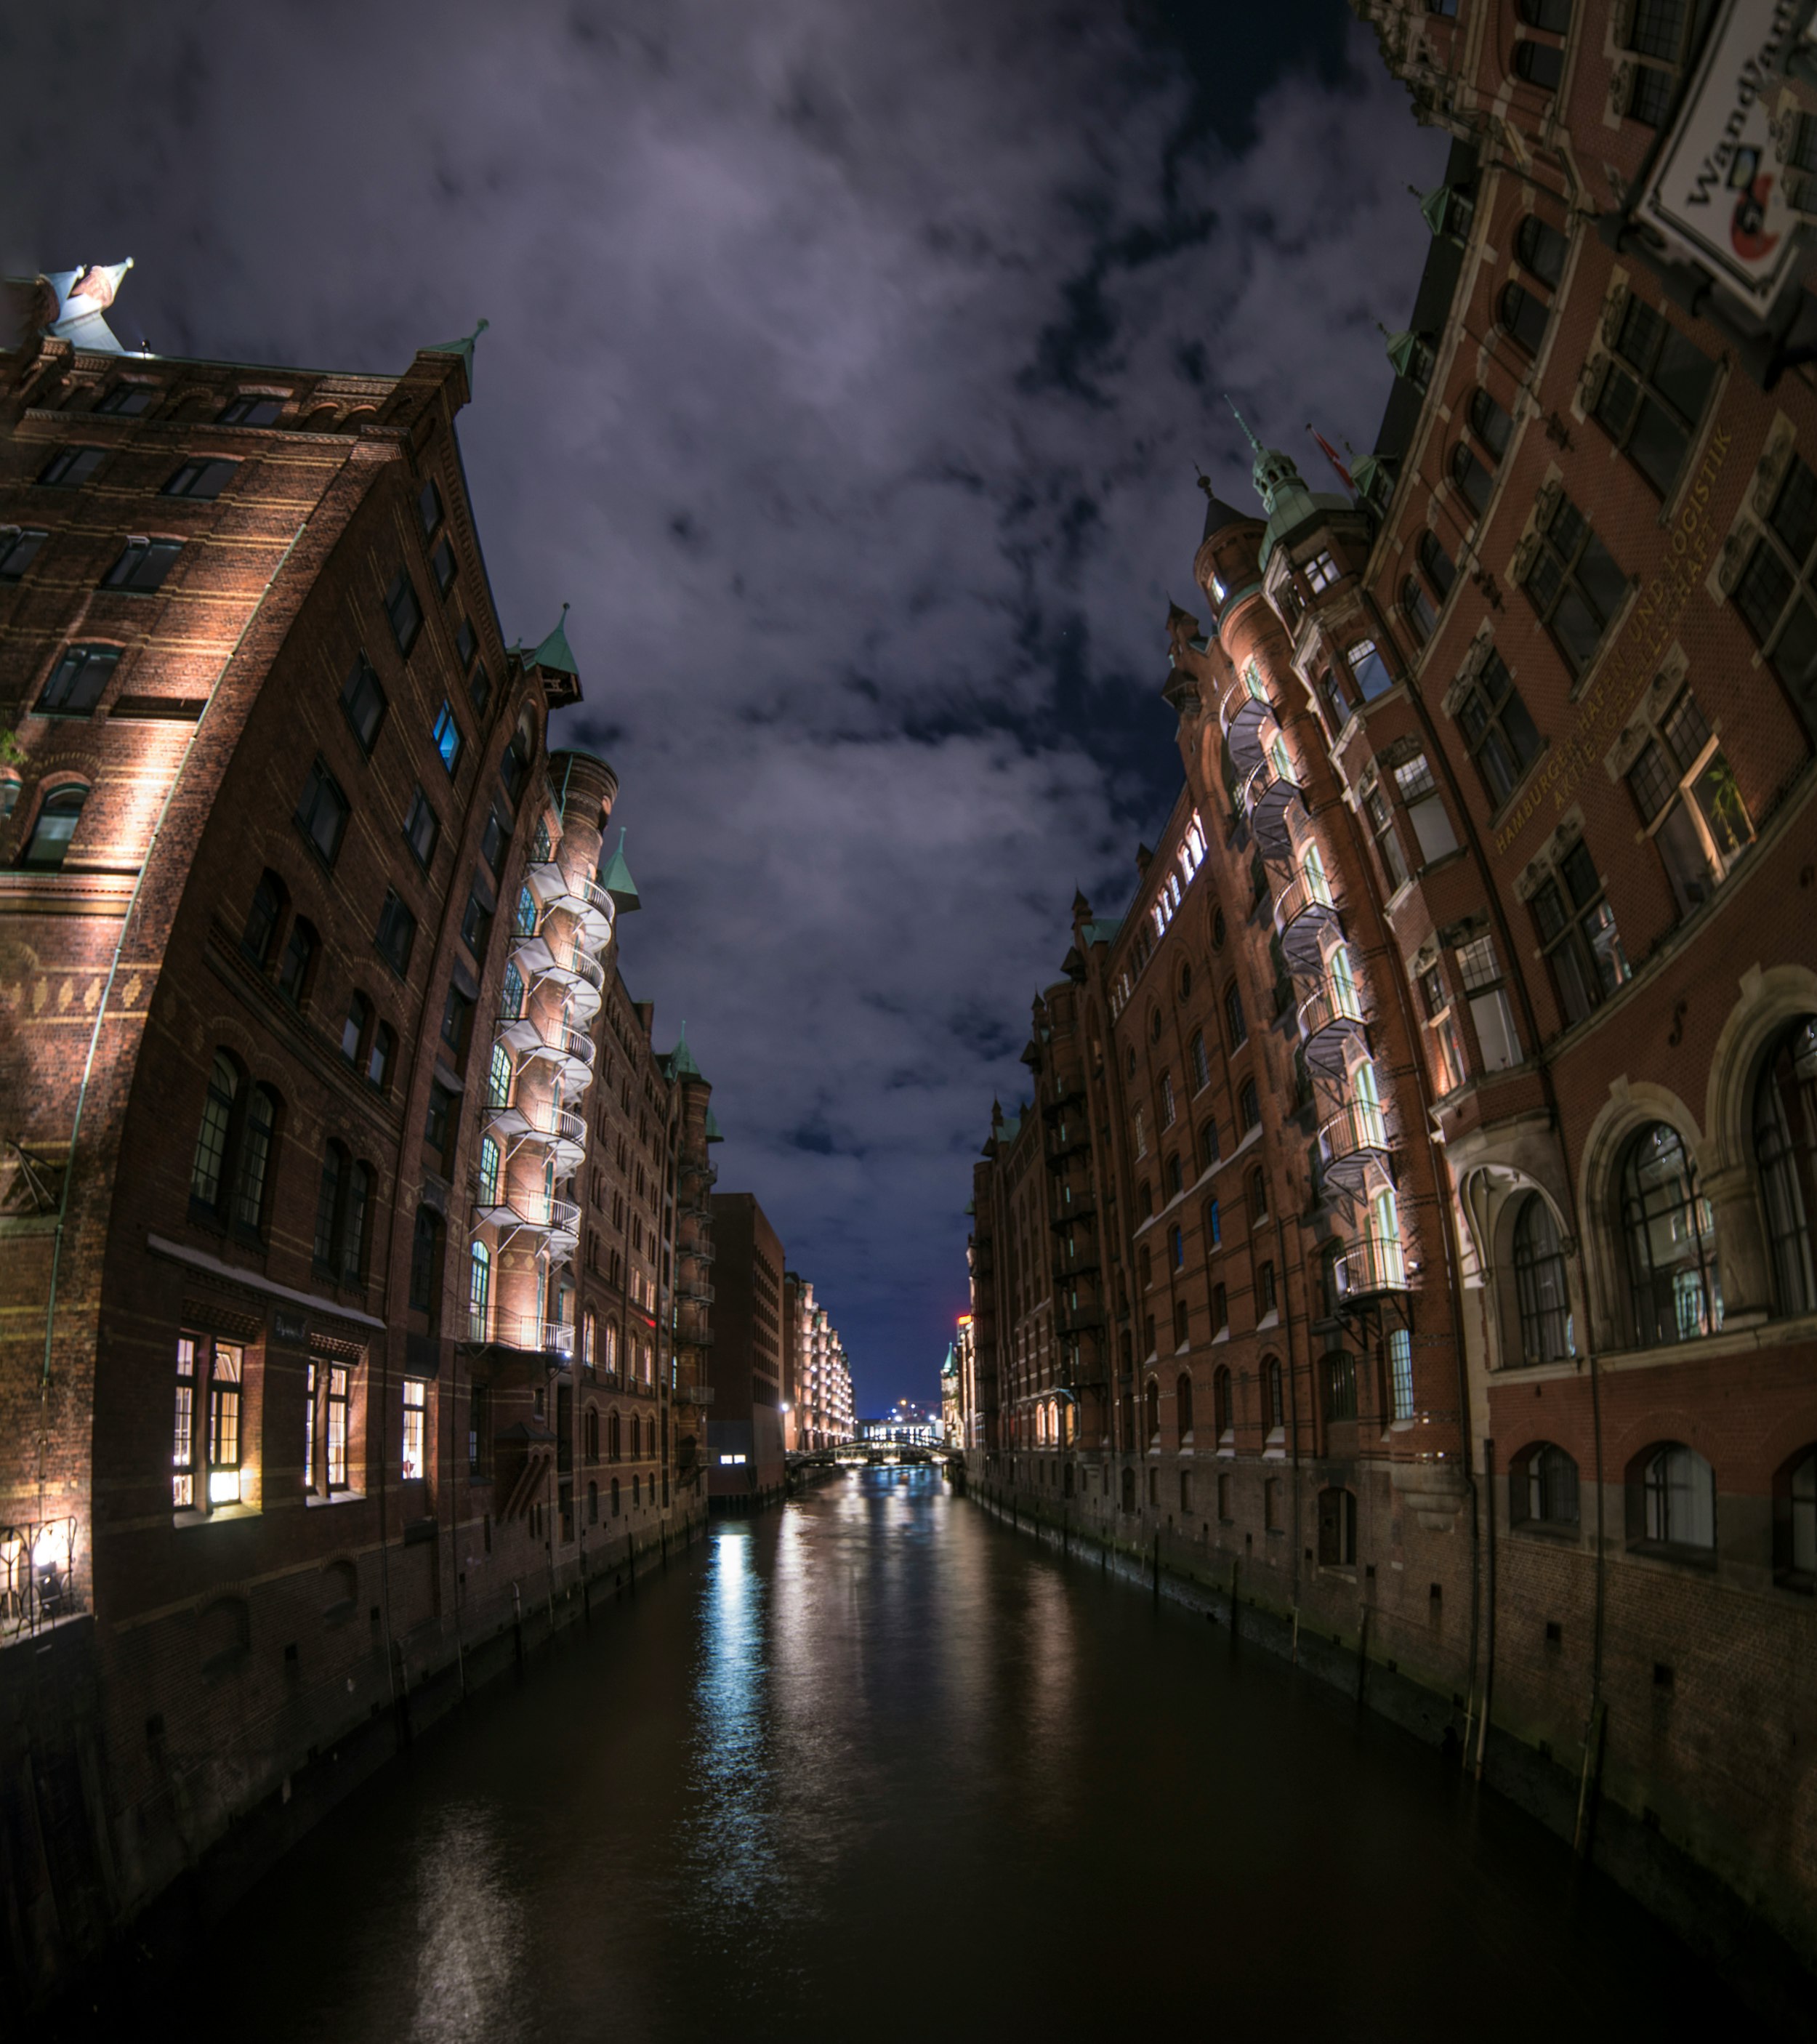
point(337, 1411)
point(78, 680)
point(182, 1438)
point(447, 736)
point(309, 1426)
point(143, 566)
point(224, 1462)
point(1321, 571)
point(416, 1416)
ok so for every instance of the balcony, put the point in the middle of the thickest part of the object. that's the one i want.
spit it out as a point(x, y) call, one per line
point(694, 1394)
point(1351, 1141)
point(560, 1128)
point(527, 1331)
point(1243, 714)
point(1305, 916)
point(707, 1174)
point(562, 962)
point(574, 894)
point(1369, 1269)
point(571, 1051)
point(1330, 1016)
point(1268, 797)
point(692, 1294)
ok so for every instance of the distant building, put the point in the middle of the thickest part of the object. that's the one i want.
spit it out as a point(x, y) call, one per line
point(744, 1435)
point(904, 1425)
point(817, 1383)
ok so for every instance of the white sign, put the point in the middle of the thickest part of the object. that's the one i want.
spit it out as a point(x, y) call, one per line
point(1715, 190)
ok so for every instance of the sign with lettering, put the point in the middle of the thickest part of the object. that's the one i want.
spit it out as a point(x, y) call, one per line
point(1716, 192)
point(289, 1326)
point(1606, 705)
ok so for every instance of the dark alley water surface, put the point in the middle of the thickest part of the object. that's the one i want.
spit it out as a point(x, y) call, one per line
point(874, 1763)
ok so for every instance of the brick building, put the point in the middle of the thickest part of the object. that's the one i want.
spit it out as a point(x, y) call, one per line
point(1413, 1227)
point(816, 1379)
point(744, 1436)
point(338, 1210)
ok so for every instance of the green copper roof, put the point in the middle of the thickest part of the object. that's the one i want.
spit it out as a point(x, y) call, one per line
point(615, 877)
point(1102, 930)
point(554, 653)
point(714, 1133)
point(1434, 205)
point(462, 348)
point(971, 1206)
point(682, 1064)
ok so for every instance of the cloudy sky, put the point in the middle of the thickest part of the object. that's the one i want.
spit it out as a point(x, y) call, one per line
point(848, 371)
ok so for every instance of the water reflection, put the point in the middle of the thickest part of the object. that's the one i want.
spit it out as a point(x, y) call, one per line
point(470, 1930)
point(734, 1853)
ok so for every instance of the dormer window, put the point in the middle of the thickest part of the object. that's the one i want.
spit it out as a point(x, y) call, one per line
point(1321, 571)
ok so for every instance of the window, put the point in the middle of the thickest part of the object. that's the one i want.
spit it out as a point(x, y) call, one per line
point(498, 1078)
point(1144, 1265)
point(1653, 393)
point(338, 1378)
point(1418, 608)
point(1540, 248)
point(256, 1138)
point(479, 1272)
point(438, 1122)
point(1321, 571)
point(129, 400)
point(425, 1261)
point(77, 681)
point(1425, 809)
point(379, 1065)
point(224, 1459)
point(442, 561)
point(1542, 64)
point(70, 467)
point(1577, 930)
point(1214, 1225)
point(403, 611)
point(1677, 1501)
point(1400, 1373)
point(1337, 1529)
point(18, 549)
point(251, 411)
point(1236, 1027)
point(514, 764)
point(299, 958)
point(511, 993)
point(1691, 803)
point(422, 827)
point(363, 703)
point(1669, 1234)
point(323, 812)
point(201, 478)
point(143, 566)
point(476, 918)
point(396, 933)
point(1175, 1249)
point(1524, 315)
point(1785, 1154)
point(1371, 675)
point(457, 1015)
point(1175, 1177)
point(1151, 1408)
point(1200, 1062)
point(1490, 424)
point(1500, 734)
point(490, 1162)
point(183, 1434)
point(207, 1172)
point(1248, 1105)
point(1340, 1375)
point(1265, 1301)
point(353, 1029)
point(1540, 1285)
point(353, 1225)
point(415, 1415)
point(1659, 30)
point(1480, 971)
point(327, 1207)
point(1141, 1133)
point(1166, 1100)
point(1258, 1199)
point(1436, 565)
point(478, 689)
point(1542, 1489)
point(1774, 593)
point(1387, 838)
point(1795, 1524)
point(1574, 584)
point(447, 737)
point(268, 900)
point(1472, 478)
point(429, 507)
point(466, 642)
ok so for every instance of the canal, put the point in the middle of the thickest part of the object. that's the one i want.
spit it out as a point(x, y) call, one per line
point(874, 1762)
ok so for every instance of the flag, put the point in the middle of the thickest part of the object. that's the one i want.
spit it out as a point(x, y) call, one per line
point(1331, 455)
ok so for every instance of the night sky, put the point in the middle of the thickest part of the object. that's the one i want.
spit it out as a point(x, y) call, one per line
point(848, 371)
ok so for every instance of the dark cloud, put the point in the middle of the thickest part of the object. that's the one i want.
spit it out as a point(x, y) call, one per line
point(848, 371)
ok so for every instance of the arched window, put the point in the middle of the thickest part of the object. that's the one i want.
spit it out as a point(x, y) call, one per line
point(1208, 1147)
point(298, 962)
point(58, 813)
point(1795, 1523)
point(1337, 1529)
point(1670, 1239)
point(1671, 1499)
point(1272, 1386)
point(478, 1292)
point(1421, 614)
point(589, 1433)
point(614, 1443)
point(256, 1140)
point(1542, 64)
point(1540, 1285)
point(1524, 315)
point(1151, 1409)
point(1472, 478)
point(1221, 1413)
point(1183, 1405)
point(1492, 425)
point(269, 900)
point(1537, 246)
point(589, 1340)
point(1182, 1323)
point(491, 1161)
point(207, 1173)
point(1437, 565)
point(1257, 1198)
point(1785, 1152)
point(1543, 1487)
point(328, 1206)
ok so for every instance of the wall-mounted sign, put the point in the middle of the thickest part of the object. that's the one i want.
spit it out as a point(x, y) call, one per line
point(289, 1326)
point(1716, 190)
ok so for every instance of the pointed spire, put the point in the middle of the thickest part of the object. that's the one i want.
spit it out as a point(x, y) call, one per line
point(1217, 513)
point(714, 1133)
point(615, 877)
point(1240, 420)
point(1082, 908)
point(555, 654)
point(463, 347)
point(682, 1064)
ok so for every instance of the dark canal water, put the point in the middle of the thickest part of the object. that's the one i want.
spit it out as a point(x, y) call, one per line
point(874, 1763)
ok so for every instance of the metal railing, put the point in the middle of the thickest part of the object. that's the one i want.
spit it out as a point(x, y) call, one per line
point(1358, 1130)
point(38, 1580)
point(1370, 1267)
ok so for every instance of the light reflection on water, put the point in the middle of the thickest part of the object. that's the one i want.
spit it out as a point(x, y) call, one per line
point(875, 1730)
